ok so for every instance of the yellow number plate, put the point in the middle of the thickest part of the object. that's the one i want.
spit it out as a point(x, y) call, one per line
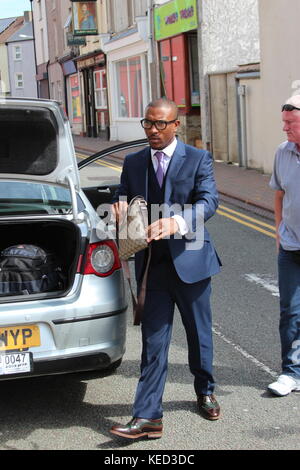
point(19, 337)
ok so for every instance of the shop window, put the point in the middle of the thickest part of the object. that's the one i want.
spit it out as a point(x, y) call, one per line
point(75, 95)
point(100, 89)
point(131, 94)
point(174, 70)
point(179, 70)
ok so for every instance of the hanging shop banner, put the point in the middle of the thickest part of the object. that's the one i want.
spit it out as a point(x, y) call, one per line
point(174, 18)
point(84, 18)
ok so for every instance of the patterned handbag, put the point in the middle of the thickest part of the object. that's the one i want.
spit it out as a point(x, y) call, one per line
point(131, 239)
point(132, 231)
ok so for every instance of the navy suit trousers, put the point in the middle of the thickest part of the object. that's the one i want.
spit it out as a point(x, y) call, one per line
point(164, 290)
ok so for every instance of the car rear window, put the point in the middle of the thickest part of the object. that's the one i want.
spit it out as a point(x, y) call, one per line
point(28, 141)
point(33, 198)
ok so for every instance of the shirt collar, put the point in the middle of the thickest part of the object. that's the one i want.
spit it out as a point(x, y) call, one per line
point(168, 151)
point(293, 148)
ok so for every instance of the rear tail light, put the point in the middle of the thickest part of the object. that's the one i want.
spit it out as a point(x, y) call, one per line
point(102, 259)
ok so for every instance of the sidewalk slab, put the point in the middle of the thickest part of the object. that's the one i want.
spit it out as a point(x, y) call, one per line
point(246, 185)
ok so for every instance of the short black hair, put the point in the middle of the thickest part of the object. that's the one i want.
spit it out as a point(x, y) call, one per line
point(164, 103)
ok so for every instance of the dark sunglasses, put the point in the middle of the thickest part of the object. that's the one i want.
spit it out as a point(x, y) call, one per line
point(289, 107)
point(160, 125)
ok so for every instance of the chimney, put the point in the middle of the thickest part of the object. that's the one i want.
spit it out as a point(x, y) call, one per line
point(27, 17)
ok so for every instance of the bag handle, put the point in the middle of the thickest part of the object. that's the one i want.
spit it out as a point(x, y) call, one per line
point(139, 302)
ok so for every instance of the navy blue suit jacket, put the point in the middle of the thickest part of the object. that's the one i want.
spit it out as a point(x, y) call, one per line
point(189, 184)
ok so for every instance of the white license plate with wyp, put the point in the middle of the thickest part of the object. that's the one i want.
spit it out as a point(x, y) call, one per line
point(15, 363)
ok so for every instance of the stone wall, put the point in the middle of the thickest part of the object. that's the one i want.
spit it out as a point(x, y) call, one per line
point(190, 129)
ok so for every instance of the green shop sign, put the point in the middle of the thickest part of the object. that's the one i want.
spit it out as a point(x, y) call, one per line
point(174, 18)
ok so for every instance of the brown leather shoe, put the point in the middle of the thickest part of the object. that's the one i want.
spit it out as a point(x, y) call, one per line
point(139, 427)
point(209, 407)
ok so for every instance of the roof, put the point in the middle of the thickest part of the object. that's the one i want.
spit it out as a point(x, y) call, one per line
point(5, 22)
point(25, 33)
point(11, 29)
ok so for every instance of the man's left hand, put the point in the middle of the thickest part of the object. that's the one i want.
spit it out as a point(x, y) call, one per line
point(162, 228)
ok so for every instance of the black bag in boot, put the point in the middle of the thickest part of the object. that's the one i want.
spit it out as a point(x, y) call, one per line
point(28, 269)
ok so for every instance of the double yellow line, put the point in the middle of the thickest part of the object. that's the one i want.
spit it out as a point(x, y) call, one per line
point(101, 162)
point(250, 222)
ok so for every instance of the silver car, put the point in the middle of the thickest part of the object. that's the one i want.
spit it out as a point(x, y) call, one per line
point(81, 326)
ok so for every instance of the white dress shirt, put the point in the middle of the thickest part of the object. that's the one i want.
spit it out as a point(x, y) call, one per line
point(168, 153)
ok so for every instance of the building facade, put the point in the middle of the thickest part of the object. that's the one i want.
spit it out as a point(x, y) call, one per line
point(21, 60)
point(214, 58)
point(8, 26)
point(40, 30)
point(279, 79)
point(229, 38)
point(92, 73)
point(128, 55)
point(176, 34)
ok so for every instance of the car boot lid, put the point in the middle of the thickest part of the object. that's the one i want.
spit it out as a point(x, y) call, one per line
point(37, 143)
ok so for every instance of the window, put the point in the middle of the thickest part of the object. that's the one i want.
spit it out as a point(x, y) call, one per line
point(19, 80)
point(130, 9)
point(100, 89)
point(67, 29)
point(131, 94)
point(59, 92)
point(55, 48)
point(42, 45)
point(17, 53)
point(40, 10)
point(33, 198)
point(75, 96)
point(194, 70)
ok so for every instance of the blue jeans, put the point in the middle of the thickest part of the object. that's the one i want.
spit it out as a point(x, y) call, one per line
point(289, 327)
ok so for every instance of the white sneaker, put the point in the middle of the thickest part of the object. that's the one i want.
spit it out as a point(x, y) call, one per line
point(284, 385)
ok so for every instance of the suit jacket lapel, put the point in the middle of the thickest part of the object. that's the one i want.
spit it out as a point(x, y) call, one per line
point(175, 165)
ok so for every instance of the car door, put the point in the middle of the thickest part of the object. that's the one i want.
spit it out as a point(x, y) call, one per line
point(100, 173)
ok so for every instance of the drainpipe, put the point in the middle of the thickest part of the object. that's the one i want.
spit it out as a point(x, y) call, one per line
point(152, 55)
point(243, 126)
point(203, 84)
point(34, 51)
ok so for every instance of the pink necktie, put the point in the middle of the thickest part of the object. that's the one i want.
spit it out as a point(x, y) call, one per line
point(159, 171)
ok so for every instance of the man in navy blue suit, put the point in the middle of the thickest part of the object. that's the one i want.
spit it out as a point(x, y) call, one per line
point(171, 174)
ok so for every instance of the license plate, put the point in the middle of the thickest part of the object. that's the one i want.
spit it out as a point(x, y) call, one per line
point(19, 337)
point(15, 363)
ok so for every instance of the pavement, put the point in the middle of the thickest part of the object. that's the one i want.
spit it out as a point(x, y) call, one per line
point(242, 187)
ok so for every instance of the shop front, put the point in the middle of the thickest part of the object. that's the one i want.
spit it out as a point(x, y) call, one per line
point(42, 81)
point(74, 104)
point(176, 26)
point(94, 103)
point(129, 84)
point(72, 93)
